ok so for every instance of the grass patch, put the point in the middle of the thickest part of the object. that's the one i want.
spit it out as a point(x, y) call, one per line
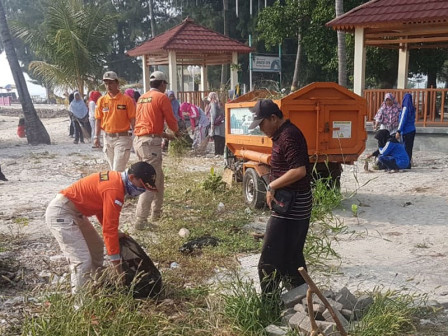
point(189, 305)
point(391, 314)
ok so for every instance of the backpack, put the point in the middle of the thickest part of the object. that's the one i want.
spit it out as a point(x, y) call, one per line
point(219, 120)
point(141, 275)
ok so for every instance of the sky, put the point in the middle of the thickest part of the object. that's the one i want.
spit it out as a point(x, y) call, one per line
point(6, 78)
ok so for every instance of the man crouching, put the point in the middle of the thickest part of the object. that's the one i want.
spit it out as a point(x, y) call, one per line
point(101, 195)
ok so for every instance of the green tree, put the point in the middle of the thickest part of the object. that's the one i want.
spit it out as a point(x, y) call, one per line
point(72, 42)
point(36, 132)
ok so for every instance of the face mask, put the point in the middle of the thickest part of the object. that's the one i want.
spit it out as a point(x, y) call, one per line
point(131, 189)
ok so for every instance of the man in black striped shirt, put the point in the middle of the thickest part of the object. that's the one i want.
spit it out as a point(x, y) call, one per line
point(284, 240)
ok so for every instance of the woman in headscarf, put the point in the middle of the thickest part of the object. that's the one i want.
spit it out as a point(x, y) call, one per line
point(406, 125)
point(198, 121)
point(217, 126)
point(390, 153)
point(93, 97)
point(79, 111)
point(175, 105)
point(387, 115)
point(131, 94)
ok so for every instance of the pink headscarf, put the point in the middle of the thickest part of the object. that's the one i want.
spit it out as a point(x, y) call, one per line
point(192, 111)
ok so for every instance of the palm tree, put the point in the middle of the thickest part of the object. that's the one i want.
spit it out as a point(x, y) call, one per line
point(73, 41)
point(342, 55)
point(35, 130)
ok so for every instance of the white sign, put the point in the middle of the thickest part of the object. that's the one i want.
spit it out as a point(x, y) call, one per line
point(342, 129)
point(266, 64)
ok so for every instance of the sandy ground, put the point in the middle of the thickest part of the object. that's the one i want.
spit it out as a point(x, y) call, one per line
point(397, 240)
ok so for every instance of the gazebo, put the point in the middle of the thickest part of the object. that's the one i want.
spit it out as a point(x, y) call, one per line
point(401, 25)
point(189, 44)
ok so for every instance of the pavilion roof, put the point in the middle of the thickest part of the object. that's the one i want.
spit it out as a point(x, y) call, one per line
point(389, 12)
point(189, 37)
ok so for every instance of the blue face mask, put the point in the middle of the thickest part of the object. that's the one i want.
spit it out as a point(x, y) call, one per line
point(131, 189)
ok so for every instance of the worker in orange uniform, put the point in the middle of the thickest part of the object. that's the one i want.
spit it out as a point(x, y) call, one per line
point(115, 114)
point(153, 110)
point(101, 195)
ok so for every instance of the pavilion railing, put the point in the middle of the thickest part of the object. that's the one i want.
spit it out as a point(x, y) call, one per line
point(196, 97)
point(431, 105)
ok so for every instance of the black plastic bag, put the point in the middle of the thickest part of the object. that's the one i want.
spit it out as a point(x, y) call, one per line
point(137, 265)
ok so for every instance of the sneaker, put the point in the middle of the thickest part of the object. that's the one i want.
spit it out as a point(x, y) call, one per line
point(75, 142)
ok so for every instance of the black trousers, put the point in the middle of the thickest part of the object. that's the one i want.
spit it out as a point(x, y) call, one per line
point(282, 253)
point(220, 142)
point(408, 141)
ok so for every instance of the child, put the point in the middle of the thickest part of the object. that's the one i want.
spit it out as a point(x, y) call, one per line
point(391, 154)
point(21, 128)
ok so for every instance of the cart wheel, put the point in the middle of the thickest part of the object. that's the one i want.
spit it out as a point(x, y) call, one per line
point(254, 189)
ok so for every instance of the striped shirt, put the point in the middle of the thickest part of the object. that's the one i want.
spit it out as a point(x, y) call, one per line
point(290, 151)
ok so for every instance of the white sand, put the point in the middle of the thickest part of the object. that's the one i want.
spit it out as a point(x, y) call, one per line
point(398, 239)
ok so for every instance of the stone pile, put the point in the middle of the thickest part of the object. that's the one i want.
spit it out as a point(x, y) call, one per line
point(347, 307)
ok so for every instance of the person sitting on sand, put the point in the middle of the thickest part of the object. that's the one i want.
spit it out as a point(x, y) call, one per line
point(391, 154)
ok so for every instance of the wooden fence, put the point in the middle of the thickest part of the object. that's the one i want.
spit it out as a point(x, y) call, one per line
point(431, 105)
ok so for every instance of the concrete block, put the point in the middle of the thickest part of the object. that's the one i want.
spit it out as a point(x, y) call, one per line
point(286, 315)
point(362, 305)
point(346, 298)
point(300, 308)
point(334, 304)
point(348, 314)
point(294, 296)
point(273, 330)
point(328, 328)
point(327, 316)
point(296, 320)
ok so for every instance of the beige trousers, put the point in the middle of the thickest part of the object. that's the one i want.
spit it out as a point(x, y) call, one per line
point(77, 238)
point(149, 149)
point(118, 151)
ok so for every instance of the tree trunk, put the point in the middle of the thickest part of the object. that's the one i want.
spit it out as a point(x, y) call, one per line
point(342, 55)
point(225, 67)
point(295, 78)
point(35, 130)
point(152, 18)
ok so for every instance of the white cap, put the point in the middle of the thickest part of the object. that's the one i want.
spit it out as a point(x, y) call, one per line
point(158, 75)
point(110, 75)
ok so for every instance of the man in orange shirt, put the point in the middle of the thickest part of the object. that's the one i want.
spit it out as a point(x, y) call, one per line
point(153, 110)
point(101, 195)
point(115, 114)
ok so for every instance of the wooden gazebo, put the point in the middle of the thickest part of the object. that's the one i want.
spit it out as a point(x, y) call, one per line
point(189, 44)
point(401, 25)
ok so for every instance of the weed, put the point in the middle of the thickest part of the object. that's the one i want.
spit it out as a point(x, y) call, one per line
point(248, 312)
point(178, 147)
point(391, 314)
point(213, 182)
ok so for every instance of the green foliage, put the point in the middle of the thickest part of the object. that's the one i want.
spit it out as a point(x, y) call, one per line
point(98, 313)
point(179, 147)
point(248, 312)
point(391, 314)
point(71, 41)
point(213, 182)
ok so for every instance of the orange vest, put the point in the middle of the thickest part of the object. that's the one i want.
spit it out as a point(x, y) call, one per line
point(100, 195)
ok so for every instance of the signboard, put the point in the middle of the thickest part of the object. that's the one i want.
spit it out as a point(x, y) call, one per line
point(342, 129)
point(266, 64)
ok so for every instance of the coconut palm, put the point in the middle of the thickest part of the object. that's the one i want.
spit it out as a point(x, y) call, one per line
point(35, 130)
point(342, 56)
point(72, 41)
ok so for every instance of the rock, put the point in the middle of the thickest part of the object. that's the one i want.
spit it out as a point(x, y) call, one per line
point(328, 317)
point(184, 233)
point(346, 298)
point(273, 330)
point(221, 207)
point(362, 305)
point(294, 296)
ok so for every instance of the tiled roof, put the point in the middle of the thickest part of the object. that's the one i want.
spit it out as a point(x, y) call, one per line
point(385, 12)
point(190, 37)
